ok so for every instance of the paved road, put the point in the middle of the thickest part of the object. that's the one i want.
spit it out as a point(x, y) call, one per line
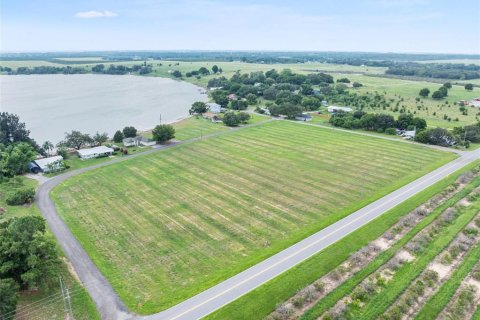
point(111, 307)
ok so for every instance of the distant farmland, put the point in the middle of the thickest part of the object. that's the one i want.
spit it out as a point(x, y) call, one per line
point(168, 225)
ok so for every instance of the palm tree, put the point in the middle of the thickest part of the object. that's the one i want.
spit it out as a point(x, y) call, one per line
point(47, 146)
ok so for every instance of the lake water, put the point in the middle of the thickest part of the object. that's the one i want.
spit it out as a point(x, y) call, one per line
point(51, 105)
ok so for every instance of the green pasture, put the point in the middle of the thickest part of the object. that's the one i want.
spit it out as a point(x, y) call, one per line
point(408, 90)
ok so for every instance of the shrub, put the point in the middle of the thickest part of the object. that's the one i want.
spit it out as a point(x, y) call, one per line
point(20, 196)
point(319, 286)
point(449, 215)
point(454, 251)
point(298, 301)
point(476, 273)
point(391, 131)
point(446, 259)
point(470, 232)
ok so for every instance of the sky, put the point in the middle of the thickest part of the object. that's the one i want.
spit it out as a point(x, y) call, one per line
point(430, 26)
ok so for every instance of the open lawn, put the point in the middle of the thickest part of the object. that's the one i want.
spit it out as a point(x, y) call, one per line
point(168, 225)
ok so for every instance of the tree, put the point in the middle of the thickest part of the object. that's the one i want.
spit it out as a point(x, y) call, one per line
point(129, 132)
point(76, 140)
point(118, 137)
point(48, 147)
point(469, 87)
point(203, 71)
point(232, 119)
point(198, 107)
point(290, 110)
point(311, 103)
point(28, 255)
point(424, 92)
point(306, 89)
point(163, 133)
point(238, 104)
point(251, 99)
point(177, 74)
point(14, 159)
point(100, 138)
point(220, 97)
point(357, 84)
point(13, 131)
point(8, 298)
point(437, 136)
point(344, 80)
point(215, 68)
point(419, 123)
point(447, 85)
point(444, 91)
point(438, 95)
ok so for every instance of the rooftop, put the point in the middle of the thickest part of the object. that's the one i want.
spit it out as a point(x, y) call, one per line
point(96, 150)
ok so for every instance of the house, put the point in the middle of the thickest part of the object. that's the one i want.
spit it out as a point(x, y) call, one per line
point(46, 164)
point(333, 109)
point(214, 107)
point(145, 141)
point(130, 142)
point(475, 102)
point(303, 117)
point(409, 134)
point(97, 152)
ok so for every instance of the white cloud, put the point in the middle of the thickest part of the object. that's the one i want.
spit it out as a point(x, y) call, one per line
point(95, 14)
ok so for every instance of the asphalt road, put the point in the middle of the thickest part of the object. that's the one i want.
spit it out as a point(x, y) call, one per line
point(111, 307)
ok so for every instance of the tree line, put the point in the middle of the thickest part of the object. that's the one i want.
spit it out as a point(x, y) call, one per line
point(436, 70)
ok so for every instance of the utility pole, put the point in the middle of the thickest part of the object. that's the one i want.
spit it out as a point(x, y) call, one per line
point(67, 305)
point(160, 118)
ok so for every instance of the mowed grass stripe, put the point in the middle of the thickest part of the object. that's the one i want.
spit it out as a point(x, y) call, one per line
point(201, 212)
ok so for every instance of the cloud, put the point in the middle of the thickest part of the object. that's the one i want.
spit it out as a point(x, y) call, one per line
point(95, 14)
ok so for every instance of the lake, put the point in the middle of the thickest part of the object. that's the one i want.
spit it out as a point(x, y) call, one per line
point(51, 105)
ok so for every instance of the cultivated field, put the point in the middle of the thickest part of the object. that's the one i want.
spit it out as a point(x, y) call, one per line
point(413, 269)
point(168, 225)
point(418, 259)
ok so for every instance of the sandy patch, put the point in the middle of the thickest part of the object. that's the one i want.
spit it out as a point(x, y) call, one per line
point(476, 284)
point(405, 256)
point(382, 243)
point(464, 202)
point(441, 269)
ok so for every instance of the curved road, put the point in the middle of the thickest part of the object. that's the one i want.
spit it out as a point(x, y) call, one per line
point(111, 307)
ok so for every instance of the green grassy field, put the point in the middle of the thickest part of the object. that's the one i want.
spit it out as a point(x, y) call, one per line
point(201, 212)
point(47, 303)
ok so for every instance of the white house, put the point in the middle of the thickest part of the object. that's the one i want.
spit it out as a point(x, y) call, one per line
point(46, 164)
point(333, 109)
point(97, 152)
point(129, 142)
point(146, 142)
point(214, 107)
